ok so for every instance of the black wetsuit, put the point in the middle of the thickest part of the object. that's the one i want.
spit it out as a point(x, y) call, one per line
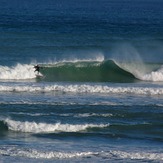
point(37, 68)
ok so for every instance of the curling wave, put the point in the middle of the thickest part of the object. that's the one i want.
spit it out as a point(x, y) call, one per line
point(102, 71)
point(85, 71)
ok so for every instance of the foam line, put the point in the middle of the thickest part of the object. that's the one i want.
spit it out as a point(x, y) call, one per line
point(112, 154)
point(32, 153)
point(83, 88)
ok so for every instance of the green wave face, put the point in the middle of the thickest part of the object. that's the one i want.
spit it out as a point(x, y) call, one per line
point(3, 126)
point(92, 71)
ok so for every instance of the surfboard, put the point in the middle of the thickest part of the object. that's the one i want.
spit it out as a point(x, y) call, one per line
point(39, 76)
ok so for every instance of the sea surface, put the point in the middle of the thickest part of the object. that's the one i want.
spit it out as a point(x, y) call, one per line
point(99, 93)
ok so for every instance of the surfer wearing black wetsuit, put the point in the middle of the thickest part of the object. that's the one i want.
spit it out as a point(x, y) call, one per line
point(37, 68)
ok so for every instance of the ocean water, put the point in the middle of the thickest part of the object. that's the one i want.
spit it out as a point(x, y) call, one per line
point(99, 96)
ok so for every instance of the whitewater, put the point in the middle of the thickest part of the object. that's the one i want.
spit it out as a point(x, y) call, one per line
point(83, 88)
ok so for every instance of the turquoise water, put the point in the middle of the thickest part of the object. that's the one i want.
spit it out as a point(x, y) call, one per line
point(100, 90)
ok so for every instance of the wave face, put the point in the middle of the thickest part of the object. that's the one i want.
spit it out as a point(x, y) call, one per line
point(102, 71)
point(89, 71)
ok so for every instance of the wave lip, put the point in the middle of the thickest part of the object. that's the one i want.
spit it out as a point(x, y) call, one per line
point(33, 127)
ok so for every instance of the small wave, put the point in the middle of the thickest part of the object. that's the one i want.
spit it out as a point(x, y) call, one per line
point(57, 103)
point(34, 127)
point(112, 154)
point(83, 88)
point(30, 114)
point(32, 153)
point(93, 115)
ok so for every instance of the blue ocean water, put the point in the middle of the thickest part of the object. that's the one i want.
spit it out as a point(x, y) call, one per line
point(99, 94)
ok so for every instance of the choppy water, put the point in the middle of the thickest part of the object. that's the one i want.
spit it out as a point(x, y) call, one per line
point(99, 98)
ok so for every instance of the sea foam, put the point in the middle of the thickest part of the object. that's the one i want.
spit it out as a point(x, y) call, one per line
point(83, 88)
point(35, 127)
point(153, 76)
point(110, 154)
point(18, 72)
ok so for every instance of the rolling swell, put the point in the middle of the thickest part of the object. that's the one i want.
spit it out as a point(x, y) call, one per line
point(106, 71)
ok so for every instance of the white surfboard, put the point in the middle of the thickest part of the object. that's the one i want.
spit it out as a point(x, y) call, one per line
point(39, 75)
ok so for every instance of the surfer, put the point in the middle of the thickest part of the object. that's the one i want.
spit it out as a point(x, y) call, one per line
point(37, 68)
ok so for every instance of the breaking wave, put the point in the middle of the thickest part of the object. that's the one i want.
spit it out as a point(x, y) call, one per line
point(94, 71)
point(33, 127)
point(85, 71)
